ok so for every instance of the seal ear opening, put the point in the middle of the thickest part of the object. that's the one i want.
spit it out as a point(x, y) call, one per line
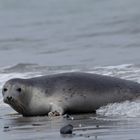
point(19, 89)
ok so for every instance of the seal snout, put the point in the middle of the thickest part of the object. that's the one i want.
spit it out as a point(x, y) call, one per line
point(8, 99)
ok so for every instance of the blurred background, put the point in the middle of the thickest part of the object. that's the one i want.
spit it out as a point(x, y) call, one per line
point(69, 33)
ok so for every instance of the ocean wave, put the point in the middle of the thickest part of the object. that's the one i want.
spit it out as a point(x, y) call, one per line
point(35, 68)
point(125, 109)
point(21, 67)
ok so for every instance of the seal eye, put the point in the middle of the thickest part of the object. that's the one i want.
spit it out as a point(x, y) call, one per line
point(5, 89)
point(19, 89)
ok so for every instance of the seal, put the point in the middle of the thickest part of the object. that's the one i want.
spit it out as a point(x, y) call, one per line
point(73, 92)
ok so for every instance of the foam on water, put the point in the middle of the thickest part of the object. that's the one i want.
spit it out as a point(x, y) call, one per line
point(125, 109)
point(126, 71)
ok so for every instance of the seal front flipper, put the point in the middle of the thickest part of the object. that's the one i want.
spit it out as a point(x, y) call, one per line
point(55, 111)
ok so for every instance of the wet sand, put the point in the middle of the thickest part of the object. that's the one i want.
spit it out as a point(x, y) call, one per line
point(87, 126)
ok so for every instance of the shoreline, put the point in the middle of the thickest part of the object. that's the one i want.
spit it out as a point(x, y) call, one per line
point(88, 126)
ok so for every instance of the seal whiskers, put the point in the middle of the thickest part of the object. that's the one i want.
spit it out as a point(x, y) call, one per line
point(17, 106)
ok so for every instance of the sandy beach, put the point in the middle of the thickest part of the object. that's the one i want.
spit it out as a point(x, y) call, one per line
point(86, 126)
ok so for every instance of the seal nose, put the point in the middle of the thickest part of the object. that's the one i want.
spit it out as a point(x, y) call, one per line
point(9, 98)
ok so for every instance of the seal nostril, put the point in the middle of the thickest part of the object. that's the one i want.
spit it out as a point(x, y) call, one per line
point(9, 98)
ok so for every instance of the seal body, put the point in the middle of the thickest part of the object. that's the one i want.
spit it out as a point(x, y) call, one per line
point(67, 93)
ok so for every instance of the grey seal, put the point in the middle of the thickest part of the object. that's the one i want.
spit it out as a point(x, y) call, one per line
point(73, 92)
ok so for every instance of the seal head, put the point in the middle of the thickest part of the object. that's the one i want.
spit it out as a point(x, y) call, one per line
point(23, 98)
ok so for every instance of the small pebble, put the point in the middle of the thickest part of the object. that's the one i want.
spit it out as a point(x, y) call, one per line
point(5, 127)
point(97, 126)
point(35, 124)
point(68, 117)
point(68, 129)
point(87, 136)
point(80, 125)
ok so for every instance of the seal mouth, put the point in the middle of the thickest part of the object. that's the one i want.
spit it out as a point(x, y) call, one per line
point(16, 105)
